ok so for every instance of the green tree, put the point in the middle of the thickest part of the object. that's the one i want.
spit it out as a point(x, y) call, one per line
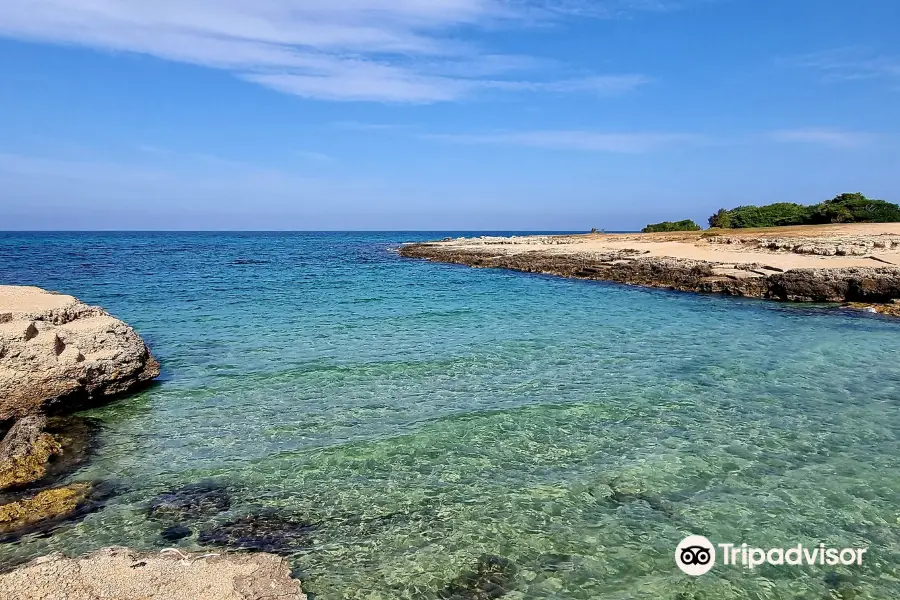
point(721, 219)
point(685, 225)
point(855, 208)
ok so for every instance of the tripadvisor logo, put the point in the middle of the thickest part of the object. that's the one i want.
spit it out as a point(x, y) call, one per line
point(696, 555)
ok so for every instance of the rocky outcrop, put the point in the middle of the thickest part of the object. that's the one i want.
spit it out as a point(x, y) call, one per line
point(121, 574)
point(857, 245)
point(26, 452)
point(46, 510)
point(58, 354)
point(856, 284)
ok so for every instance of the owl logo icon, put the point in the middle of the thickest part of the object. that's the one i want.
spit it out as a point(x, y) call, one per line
point(695, 555)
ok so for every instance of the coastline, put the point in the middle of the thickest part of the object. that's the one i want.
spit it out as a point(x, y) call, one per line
point(440, 425)
point(58, 356)
point(836, 263)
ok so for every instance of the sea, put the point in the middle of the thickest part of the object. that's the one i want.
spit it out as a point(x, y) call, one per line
point(442, 426)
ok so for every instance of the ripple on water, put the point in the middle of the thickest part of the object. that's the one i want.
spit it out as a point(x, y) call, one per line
point(433, 431)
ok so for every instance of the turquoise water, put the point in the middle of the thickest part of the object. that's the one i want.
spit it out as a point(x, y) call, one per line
point(578, 429)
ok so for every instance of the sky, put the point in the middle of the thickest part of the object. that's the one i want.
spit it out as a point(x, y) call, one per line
point(439, 114)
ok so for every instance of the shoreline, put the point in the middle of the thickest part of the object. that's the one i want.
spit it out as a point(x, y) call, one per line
point(857, 263)
point(58, 356)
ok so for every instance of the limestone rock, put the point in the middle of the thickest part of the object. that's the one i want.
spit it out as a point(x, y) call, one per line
point(45, 510)
point(26, 451)
point(891, 310)
point(121, 574)
point(38, 450)
point(859, 284)
point(59, 354)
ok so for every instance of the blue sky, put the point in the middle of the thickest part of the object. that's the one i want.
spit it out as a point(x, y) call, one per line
point(439, 114)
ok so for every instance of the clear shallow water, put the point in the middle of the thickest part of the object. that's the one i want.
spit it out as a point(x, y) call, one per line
point(578, 429)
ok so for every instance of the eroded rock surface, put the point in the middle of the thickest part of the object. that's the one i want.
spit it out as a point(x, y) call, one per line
point(26, 452)
point(631, 266)
point(58, 354)
point(121, 574)
point(45, 510)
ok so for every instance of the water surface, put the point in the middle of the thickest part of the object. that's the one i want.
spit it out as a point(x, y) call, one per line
point(425, 415)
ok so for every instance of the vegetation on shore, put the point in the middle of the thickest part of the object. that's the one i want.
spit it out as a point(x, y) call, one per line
point(685, 225)
point(844, 208)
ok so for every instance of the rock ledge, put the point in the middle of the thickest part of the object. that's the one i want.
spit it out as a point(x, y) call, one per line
point(58, 354)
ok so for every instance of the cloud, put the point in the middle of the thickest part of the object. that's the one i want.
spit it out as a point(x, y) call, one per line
point(848, 64)
point(365, 50)
point(590, 141)
point(834, 138)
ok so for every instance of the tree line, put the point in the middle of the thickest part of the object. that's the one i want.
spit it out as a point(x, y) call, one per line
point(843, 208)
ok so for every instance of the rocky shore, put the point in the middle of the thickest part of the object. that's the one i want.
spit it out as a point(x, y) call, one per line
point(120, 574)
point(849, 264)
point(57, 356)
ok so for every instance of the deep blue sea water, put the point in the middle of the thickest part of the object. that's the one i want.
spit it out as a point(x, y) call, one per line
point(578, 429)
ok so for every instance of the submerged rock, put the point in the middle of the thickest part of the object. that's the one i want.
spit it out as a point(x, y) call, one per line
point(26, 451)
point(58, 354)
point(264, 532)
point(891, 310)
point(492, 577)
point(121, 574)
point(175, 533)
point(192, 501)
point(40, 451)
point(48, 509)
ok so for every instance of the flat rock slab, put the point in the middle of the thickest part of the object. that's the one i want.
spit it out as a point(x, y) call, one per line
point(59, 354)
point(121, 574)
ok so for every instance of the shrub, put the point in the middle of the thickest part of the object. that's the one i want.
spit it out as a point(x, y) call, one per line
point(770, 215)
point(855, 208)
point(844, 208)
point(721, 219)
point(686, 225)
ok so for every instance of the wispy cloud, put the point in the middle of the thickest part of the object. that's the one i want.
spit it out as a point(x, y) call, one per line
point(848, 64)
point(375, 50)
point(590, 141)
point(834, 138)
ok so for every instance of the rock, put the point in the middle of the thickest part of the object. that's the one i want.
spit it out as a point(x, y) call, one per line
point(175, 533)
point(492, 577)
point(891, 309)
point(192, 501)
point(40, 451)
point(121, 574)
point(860, 284)
point(264, 532)
point(25, 452)
point(46, 510)
point(58, 354)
